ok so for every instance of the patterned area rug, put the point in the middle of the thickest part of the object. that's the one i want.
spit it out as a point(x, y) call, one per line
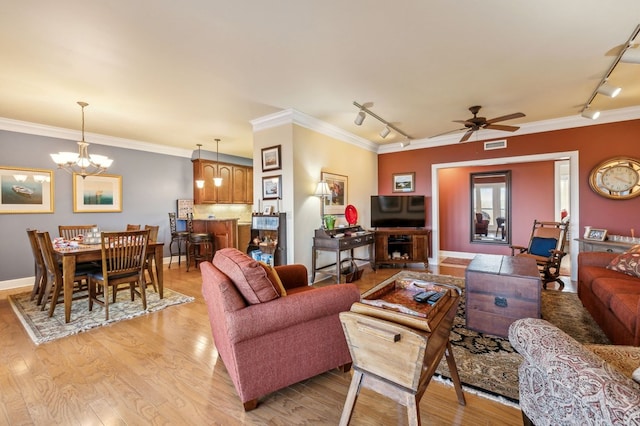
point(487, 364)
point(43, 329)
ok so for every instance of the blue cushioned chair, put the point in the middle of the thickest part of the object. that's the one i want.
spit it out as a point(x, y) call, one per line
point(546, 246)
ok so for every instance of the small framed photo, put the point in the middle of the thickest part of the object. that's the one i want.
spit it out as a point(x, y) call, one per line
point(267, 210)
point(271, 187)
point(97, 194)
point(404, 182)
point(338, 185)
point(271, 158)
point(597, 234)
point(26, 190)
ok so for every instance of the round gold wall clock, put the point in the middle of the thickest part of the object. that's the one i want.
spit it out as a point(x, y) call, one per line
point(616, 178)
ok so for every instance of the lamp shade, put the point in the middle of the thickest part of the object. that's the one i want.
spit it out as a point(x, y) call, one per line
point(322, 190)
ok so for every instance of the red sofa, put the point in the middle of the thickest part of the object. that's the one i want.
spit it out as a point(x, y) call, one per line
point(267, 343)
point(611, 297)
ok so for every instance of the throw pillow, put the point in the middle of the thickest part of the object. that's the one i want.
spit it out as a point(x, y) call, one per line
point(542, 246)
point(273, 276)
point(246, 274)
point(627, 262)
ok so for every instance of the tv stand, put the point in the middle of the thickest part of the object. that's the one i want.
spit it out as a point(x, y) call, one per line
point(402, 246)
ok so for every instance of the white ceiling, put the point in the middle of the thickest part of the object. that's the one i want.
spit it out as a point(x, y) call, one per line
point(181, 73)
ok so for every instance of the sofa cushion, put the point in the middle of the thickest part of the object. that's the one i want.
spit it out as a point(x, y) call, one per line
point(604, 288)
point(628, 262)
point(273, 276)
point(625, 308)
point(246, 274)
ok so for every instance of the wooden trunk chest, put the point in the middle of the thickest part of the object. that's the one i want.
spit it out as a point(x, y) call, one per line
point(500, 290)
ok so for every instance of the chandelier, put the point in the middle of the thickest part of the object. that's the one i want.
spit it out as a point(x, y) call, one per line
point(81, 162)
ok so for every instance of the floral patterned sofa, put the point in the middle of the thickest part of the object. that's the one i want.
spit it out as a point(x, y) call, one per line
point(563, 382)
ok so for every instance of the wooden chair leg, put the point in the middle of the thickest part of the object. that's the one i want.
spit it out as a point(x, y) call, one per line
point(345, 368)
point(250, 405)
point(453, 369)
point(352, 395)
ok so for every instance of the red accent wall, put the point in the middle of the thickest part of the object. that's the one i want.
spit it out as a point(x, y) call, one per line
point(532, 183)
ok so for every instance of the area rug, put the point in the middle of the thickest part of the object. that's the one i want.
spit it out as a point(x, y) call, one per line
point(43, 329)
point(487, 364)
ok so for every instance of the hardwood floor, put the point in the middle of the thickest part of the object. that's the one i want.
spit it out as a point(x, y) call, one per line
point(163, 368)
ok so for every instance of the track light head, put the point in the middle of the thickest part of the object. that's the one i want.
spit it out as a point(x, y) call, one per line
point(609, 90)
point(404, 144)
point(360, 118)
point(385, 132)
point(591, 114)
point(631, 56)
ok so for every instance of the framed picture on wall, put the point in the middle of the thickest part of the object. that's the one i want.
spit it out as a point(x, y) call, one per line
point(97, 194)
point(271, 158)
point(271, 187)
point(597, 234)
point(26, 190)
point(338, 185)
point(404, 182)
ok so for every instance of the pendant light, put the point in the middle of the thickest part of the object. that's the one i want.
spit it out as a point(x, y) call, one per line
point(199, 182)
point(217, 181)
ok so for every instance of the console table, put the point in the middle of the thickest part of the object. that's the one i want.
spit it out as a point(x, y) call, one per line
point(338, 240)
point(609, 246)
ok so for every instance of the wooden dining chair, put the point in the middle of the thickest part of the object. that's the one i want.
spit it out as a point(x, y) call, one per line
point(153, 237)
point(69, 232)
point(131, 227)
point(53, 271)
point(123, 261)
point(40, 278)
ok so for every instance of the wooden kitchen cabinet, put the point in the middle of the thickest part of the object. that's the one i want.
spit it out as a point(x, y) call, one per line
point(224, 232)
point(236, 188)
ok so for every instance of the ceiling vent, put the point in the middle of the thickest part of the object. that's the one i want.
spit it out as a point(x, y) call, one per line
point(501, 144)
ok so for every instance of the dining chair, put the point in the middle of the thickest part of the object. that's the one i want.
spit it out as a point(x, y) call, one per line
point(123, 261)
point(40, 277)
point(69, 232)
point(177, 237)
point(153, 237)
point(53, 271)
point(131, 227)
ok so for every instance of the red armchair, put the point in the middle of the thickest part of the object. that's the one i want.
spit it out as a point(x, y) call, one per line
point(267, 345)
point(481, 225)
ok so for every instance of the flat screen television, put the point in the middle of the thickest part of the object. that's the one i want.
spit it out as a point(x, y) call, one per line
point(398, 211)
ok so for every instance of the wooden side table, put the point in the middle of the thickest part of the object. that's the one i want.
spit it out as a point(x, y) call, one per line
point(398, 361)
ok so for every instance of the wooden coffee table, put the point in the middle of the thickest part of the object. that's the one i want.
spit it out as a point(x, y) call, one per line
point(500, 290)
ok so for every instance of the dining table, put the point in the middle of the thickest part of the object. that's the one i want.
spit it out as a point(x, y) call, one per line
point(71, 256)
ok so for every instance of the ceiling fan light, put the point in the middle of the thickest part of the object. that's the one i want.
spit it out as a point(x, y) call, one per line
point(631, 56)
point(385, 132)
point(609, 90)
point(591, 114)
point(359, 118)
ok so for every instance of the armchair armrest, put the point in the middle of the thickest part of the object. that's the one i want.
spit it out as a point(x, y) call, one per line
point(264, 318)
point(293, 276)
point(520, 249)
point(595, 258)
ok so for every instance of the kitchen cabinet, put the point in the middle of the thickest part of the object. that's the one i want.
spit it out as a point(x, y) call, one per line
point(224, 232)
point(236, 188)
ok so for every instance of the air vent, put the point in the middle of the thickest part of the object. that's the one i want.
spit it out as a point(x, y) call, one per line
point(501, 144)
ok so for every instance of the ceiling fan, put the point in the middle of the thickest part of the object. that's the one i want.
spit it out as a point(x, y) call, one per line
point(476, 123)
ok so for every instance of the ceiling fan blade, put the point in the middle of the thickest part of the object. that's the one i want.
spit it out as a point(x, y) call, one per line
point(506, 117)
point(446, 133)
point(467, 135)
point(501, 127)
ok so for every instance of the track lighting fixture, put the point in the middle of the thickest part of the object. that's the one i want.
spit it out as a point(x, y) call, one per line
point(388, 126)
point(404, 144)
point(199, 182)
point(591, 114)
point(609, 90)
point(627, 54)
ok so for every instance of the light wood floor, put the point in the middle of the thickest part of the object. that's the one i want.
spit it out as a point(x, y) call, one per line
point(163, 368)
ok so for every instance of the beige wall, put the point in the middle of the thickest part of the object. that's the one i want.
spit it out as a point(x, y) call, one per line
point(305, 154)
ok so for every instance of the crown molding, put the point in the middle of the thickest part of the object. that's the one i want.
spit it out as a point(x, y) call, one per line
point(72, 135)
point(293, 116)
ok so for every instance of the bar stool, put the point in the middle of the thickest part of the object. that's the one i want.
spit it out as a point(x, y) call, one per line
point(176, 238)
point(199, 245)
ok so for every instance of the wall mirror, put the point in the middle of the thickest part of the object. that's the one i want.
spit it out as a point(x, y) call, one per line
point(491, 207)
